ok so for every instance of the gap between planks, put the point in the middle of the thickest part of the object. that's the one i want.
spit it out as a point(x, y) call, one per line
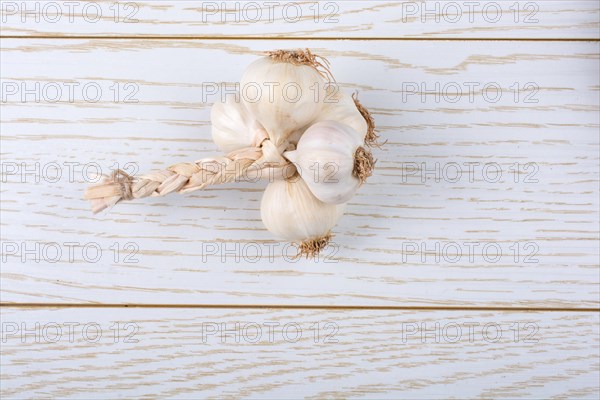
point(298, 307)
point(192, 37)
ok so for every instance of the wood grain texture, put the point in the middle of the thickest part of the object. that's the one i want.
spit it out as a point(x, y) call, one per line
point(183, 353)
point(407, 237)
point(420, 234)
point(305, 19)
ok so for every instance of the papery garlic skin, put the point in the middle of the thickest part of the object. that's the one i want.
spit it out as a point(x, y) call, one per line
point(290, 211)
point(325, 159)
point(283, 97)
point(339, 106)
point(234, 127)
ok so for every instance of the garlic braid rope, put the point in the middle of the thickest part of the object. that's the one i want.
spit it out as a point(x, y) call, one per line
point(188, 177)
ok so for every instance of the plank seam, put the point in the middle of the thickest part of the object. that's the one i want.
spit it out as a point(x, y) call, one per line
point(301, 307)
point(405, 39)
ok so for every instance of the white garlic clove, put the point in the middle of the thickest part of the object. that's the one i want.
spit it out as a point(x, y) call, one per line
point(291, 212)
point(323, 177)
point(326, 160)
point(234, 127)
point(339, 106)
point(281, 95)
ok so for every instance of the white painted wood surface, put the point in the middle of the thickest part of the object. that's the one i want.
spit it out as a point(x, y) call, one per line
point(548, 211)
point(187, 353)
point(515, 19)
point(152, 78)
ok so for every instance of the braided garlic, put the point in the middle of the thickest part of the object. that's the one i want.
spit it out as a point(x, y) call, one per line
point(265, 135)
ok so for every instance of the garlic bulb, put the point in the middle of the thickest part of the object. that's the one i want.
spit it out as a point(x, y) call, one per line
point(234, 127)
point(331, 160)
point(284, 91)
point(290, 211)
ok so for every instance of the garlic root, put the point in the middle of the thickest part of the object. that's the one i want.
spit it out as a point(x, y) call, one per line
point(363, 164)
point(371, 136)
point(310, 248)
point(303, 57)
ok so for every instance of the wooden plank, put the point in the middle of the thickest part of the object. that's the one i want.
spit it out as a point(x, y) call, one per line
point(408, 238)
point(193, 353)
point(304, 19)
